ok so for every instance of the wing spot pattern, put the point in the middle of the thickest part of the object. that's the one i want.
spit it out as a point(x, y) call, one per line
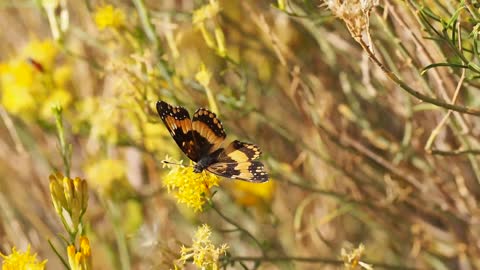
point(232, 164)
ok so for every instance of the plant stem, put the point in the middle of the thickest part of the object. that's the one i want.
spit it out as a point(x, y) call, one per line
point(412, 91)
point(315, 260)
point(240, 228)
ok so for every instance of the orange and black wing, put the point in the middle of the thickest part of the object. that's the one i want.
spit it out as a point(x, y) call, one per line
point(251, 171)
point(238, 161)
point(178, 122)
point(238, 151)
point(208, 132)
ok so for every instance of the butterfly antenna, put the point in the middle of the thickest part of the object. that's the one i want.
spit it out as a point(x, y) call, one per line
point(174, 163)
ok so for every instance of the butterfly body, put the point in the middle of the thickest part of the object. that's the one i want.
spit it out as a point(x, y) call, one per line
point(206, 161)
point(201, 139)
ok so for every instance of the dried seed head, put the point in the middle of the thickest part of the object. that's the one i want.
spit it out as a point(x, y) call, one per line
point(355, 13)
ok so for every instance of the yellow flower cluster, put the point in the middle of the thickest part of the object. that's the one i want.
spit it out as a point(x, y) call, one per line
point(190, 188)
point(31, 83)
point(109, 17)
point(204, 254)
point(70, 199)
point(80, 259)
point(22, 261)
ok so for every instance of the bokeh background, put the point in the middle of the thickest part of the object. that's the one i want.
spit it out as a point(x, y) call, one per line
point(365, 112)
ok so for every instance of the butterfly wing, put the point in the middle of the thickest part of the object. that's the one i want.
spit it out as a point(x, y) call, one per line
point(178, 122)
point(251, 171)
point(208, 132)
point(238, 151)
point(238, 161)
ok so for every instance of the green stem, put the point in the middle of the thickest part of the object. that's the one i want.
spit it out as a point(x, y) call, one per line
point(65, 149)
point(58, 254)
point(412, 91)
point(124, 256)
point(145, 19)
point(150, 32)
point(236, 225)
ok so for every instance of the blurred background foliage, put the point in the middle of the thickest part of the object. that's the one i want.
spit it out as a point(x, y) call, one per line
point(366, 113)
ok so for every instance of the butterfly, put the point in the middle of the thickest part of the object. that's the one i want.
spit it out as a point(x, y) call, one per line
point(201, 139)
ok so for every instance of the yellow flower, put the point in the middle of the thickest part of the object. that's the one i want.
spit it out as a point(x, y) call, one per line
point(81, 259)
point(22, 261)
point(190, 188)
point(16, 81)
point(62, 75)
point(31, 85)
point(18, 101)
point(205, 255)
point(16, 72)
point(154, 138)
point(43, 52)
point(109, 177)
point(70, 199)
point(203, 76)
point(59, 97)
point(104, 172)
point(105, 121)
point(206, 12)
point(108, 16)
point(249, 194)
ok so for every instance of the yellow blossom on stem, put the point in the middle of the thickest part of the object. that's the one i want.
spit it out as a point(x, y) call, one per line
point(205, 12)
point(43, 52)
point(209, 12)
point(109, 17)
point(80, 259)
point(203, 252)
point(248, 194)
point(203, 76)
point(153, 137)
point(70, 199)
point(102, 173)
point(58, 97)
point(190, 188)
point(21, 261)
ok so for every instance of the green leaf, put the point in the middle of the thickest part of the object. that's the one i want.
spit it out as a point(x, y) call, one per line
point(452, 65)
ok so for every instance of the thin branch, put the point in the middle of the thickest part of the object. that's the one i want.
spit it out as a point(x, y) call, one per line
point(64, 262)
point(436, 131)
point(412, 91)
point(12, 130)
point(317, 260)
point(236, 225)
point(455, 152)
